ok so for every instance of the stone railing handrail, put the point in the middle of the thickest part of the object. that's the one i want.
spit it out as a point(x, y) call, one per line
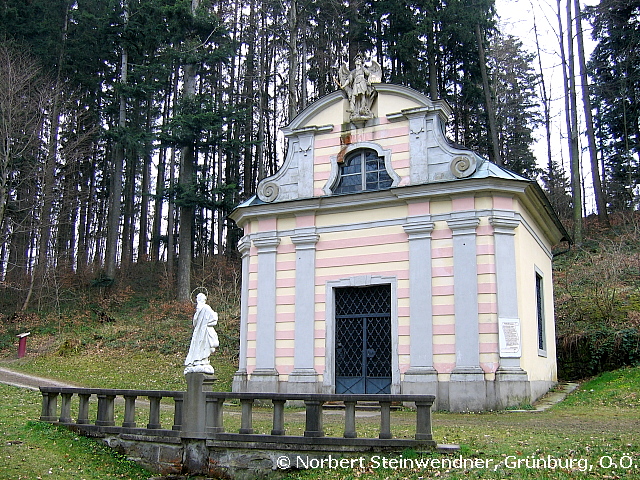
point(313, 403)
point(209, 424)
point(119, 392)
point(106, 399)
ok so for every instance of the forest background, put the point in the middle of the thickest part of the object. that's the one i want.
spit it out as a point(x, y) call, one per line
point(130, 129)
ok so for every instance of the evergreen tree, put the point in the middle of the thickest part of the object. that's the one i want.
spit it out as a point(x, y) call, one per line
point(517, 103)
point(208, 89)
point(615, 67)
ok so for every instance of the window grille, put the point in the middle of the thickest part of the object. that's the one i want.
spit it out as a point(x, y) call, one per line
point(363, 170)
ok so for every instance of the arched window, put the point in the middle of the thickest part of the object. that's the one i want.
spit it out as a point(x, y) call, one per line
point(362, 170)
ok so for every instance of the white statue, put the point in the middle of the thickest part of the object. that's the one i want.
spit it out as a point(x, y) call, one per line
point(358, 85)
point(204, 340)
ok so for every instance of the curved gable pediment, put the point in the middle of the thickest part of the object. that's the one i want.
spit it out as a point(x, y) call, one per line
point(407, 125)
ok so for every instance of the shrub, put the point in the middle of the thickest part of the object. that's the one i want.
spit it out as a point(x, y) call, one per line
point(590, 353)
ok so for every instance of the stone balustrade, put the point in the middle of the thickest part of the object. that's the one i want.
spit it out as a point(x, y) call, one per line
point(105, 415)
point(212, 427)
point(314, 431)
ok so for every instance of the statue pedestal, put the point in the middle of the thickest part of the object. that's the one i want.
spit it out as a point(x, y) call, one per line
point(195, 455)
point(194, 419)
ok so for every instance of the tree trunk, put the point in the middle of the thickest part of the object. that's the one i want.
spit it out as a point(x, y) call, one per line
point(113, 226)
point(259, 163)
point(143, 232)
point(601, 204)
point(304, 94)
point(249, 98)
point(488, 97)
point(431, 55)
point(293, 59)
point(127, 218)
point(186, 212)
point(171, 219)
point(156, 231)
point(576, 180)
point(83, 220)
point(185, 180)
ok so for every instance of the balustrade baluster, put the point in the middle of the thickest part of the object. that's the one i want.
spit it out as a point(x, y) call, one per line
point(214, 414)
point(83, 408)
point(49, 406)
point(65, 408)
point(313, 418)
point(385, 420)
point(278, 417)
point(154, 413)
point(350, 419)
point(129, 411)
point(105, 410)
point(246, 422)
point(177, 413)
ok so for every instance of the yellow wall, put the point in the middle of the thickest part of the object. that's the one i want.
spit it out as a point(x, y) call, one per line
point(530, 256)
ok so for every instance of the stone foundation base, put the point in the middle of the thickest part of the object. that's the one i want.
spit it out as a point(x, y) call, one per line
point(465, 392)
point(263, 381)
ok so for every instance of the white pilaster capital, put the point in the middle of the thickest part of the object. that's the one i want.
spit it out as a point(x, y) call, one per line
point(504, 225)
point(463, 226)
point(305, 237)
point(267, 242)
point(244, 246)
point(418, 228)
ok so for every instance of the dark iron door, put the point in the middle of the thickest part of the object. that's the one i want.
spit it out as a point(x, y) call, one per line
point(363, 339)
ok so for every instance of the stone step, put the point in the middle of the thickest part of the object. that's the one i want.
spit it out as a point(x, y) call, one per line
point(365, 406)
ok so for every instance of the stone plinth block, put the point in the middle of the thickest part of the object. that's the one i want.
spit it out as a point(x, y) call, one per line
point(194, 411)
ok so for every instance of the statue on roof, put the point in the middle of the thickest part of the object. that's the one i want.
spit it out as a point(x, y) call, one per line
point(358, 85)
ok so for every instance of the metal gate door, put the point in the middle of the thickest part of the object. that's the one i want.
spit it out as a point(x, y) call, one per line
point(363, 339)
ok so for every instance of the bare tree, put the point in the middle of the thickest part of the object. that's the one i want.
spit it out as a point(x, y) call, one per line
point(24, 95)
point(546, 101)
point(49, 177)
point(571, 114)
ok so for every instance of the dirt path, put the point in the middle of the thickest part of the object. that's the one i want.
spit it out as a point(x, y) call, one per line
point(23, 380)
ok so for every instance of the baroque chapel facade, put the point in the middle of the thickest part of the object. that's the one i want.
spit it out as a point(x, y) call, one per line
point(381, 258)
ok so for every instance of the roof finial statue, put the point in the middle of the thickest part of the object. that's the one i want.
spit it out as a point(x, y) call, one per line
point(358, 85)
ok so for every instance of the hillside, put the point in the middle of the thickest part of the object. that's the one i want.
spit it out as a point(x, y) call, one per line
point(85, 323)
point(597, 299)
point(597, 287)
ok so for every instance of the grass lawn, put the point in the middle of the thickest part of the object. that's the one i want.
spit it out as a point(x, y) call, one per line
point(33, 450)
point(595, 433)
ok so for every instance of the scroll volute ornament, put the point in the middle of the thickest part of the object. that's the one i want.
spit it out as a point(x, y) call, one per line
point(463, 166)
point(268, 192)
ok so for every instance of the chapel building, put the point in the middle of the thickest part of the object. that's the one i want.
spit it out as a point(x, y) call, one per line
point(382, 258)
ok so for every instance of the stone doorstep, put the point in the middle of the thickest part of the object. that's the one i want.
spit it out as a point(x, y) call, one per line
point(365, 406)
